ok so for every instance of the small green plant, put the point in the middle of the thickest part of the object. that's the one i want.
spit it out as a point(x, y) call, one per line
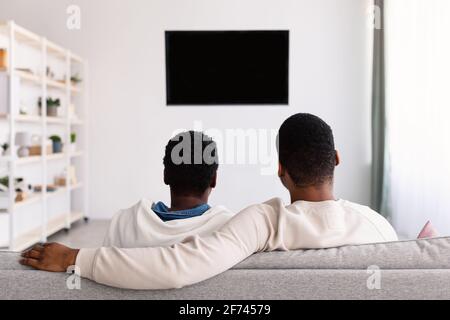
point(5, 147)
point(55, 139)
point(50, 102)
point(4, 181)
point(75, 79)
point(73, 137)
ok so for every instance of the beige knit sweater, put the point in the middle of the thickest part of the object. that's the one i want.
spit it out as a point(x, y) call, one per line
point(264, 227)
point(140, 227)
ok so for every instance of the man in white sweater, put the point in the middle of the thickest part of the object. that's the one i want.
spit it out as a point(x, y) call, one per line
point(148, 224)
point(314, 219)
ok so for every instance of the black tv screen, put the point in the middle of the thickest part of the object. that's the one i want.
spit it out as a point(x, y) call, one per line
point(227, 67)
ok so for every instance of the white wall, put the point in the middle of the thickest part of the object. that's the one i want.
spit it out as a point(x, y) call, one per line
point(130, 124)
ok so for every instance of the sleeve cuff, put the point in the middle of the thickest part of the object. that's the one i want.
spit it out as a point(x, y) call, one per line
point(85, 262)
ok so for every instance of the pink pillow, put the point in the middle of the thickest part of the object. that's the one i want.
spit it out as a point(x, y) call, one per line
point(428, 231)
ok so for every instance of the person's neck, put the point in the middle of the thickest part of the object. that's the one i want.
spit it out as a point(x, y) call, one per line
point(318, 193)
point(184, 201)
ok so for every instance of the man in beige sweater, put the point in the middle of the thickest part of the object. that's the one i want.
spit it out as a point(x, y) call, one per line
point(314, 219)
point(155, 224)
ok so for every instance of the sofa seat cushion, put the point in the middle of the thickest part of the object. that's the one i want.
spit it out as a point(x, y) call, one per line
point(243, 284)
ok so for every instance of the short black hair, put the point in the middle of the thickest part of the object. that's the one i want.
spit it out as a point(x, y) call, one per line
point(306, 149)
point(190, 162)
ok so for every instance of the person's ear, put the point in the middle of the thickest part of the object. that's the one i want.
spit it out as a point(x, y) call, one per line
point(338, 158)
point(284, 176)
point(165, 178)
point(213, 181)
point(281, 170)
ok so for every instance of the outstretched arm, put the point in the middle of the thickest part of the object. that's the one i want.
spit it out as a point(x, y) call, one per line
point(194, 260)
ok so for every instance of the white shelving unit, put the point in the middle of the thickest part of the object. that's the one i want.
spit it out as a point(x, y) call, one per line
point(26, 77)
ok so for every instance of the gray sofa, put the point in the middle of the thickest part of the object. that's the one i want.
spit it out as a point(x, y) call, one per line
point(417, 269)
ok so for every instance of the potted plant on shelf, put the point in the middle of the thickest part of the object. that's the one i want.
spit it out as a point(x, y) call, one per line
point(21, 188)
point(73, 142)
point(4, 195)
point(75, 79)
point(52, 106)
point(57, 144)
point(5, 149)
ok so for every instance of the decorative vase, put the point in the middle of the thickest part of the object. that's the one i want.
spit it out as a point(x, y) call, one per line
point(52, 111)
point(3, 59)
point(23, 140)
point(23, 152)
point(6, 153)
point(57, 146)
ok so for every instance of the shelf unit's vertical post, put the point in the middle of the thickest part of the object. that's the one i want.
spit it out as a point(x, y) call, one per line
point(68, 135)
point(12, 132)
point(44, 140)
point(85, 160)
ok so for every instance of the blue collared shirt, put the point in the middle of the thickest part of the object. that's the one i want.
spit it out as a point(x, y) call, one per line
point(162, 211)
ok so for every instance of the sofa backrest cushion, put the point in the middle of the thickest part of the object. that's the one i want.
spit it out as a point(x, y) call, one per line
point(412, 254)
point(10, 261)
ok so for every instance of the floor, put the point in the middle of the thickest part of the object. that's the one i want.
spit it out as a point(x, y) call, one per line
point(83, 234)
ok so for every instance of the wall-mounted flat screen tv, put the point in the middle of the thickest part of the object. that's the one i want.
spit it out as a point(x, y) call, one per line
point(227, 67)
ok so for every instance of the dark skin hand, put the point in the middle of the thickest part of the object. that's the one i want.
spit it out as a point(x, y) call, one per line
point(53, 257)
